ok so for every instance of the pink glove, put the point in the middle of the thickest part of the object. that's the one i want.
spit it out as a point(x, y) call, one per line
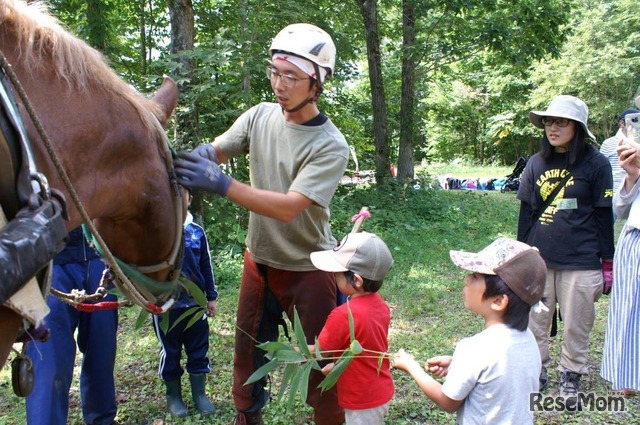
point(607, 274)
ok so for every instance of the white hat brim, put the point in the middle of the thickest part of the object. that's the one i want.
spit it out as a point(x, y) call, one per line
point(326, 261)
point(472, 261)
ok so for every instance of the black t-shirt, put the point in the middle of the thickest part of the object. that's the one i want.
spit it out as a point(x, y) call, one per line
point(570, 233)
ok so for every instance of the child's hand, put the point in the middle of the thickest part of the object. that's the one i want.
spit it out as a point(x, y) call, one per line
point(438, 366)
point(325, 370)
point(212, 308)
point(403, 360)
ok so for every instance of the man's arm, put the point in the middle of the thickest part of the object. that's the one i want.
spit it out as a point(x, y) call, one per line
point(200, 171)
point(281, 206)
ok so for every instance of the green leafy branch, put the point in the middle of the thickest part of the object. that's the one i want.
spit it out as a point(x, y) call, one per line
point(298, 361)
point(193, 314)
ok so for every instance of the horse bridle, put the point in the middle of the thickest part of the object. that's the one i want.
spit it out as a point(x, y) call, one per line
point(156, 304)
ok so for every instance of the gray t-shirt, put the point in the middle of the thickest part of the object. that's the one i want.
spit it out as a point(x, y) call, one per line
point(285, 157)
point(494, 372)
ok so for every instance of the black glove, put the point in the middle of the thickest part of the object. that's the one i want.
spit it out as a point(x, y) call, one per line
point(207, 151)
point(198, 173)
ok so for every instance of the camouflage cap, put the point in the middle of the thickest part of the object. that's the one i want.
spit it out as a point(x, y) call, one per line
point(519, 265)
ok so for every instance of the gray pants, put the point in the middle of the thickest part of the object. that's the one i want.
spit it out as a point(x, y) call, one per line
point(373, 416)
point(576, 292)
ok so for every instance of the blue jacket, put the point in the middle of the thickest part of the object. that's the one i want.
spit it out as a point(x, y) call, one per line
point(196, 264)
point(77, 250)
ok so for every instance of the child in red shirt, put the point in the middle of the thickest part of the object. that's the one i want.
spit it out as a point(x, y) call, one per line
point(360, 264)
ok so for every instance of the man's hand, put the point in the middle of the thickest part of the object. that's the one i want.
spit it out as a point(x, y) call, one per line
point(207, 151)
point(198, 173)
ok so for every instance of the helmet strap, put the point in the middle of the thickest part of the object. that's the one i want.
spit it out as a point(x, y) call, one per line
point(314, 98)
point(316, 68)
point(302, 105)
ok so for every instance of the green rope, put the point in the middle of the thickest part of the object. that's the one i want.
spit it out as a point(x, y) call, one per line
point(151, 285)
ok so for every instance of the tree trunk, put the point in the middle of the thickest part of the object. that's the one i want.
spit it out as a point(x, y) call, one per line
point(407, 100)
point(98, 25)
point(368, 9)
point(143, 39)
point(244, 9)
point(182, 37)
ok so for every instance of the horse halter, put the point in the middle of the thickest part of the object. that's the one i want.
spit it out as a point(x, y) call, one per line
point(156, 304)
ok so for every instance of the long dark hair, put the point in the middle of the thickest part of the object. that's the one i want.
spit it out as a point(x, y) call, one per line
point(577, 148)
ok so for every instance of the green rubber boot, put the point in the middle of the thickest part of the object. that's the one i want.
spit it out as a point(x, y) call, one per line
point(204, 406)
point(175, 405)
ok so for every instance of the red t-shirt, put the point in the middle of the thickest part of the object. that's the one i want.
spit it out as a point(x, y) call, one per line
point(361, 386)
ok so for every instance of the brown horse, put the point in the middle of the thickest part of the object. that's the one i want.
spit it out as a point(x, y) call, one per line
point(107, 134)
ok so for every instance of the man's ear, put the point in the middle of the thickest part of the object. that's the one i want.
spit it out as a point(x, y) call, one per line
point(500, 302)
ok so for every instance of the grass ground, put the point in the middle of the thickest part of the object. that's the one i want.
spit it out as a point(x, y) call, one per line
point(423, 291)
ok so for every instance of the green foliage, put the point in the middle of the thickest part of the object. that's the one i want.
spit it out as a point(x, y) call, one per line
point(193, 314)
point(599, 63)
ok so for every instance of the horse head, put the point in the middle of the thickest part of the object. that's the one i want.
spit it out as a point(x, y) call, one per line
point(108, 136)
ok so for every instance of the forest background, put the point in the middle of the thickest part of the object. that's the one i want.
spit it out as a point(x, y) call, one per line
point(416, 82)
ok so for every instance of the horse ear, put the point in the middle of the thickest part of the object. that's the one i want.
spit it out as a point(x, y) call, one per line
point(167, 97)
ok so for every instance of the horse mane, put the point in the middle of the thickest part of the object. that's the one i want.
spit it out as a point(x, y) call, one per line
point(43, 40)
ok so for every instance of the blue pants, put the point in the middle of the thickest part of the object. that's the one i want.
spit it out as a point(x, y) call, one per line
point(195, 340)
point(54, 359)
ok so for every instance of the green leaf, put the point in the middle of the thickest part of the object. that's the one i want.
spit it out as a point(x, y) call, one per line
point(302, 339)
point(164, 323)
point(289, 371)
point(355, 347)
point(352, 327)
point(340, 366)
point(295, 385)
point(117, 292)
point(143, 316)
point(183, 316)
point(274, 346)
point(198, 315)
point(288, 356)
point(317, 350)
point(304, 382)
point(380, 360)
point(194, 291)
point(262, 372)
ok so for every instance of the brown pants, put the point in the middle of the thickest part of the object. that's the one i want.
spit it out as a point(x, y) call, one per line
point(265, 293)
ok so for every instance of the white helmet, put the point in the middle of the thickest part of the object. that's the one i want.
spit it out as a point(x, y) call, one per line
point(306, 41)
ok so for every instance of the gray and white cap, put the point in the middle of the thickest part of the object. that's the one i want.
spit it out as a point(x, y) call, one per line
point(362, 253)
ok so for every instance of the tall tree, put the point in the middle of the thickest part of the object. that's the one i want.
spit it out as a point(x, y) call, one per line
point(369, 12)
point(182, 37)
point(407, 100)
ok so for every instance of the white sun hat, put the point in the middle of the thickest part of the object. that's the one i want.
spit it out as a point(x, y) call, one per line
point(564, 106)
